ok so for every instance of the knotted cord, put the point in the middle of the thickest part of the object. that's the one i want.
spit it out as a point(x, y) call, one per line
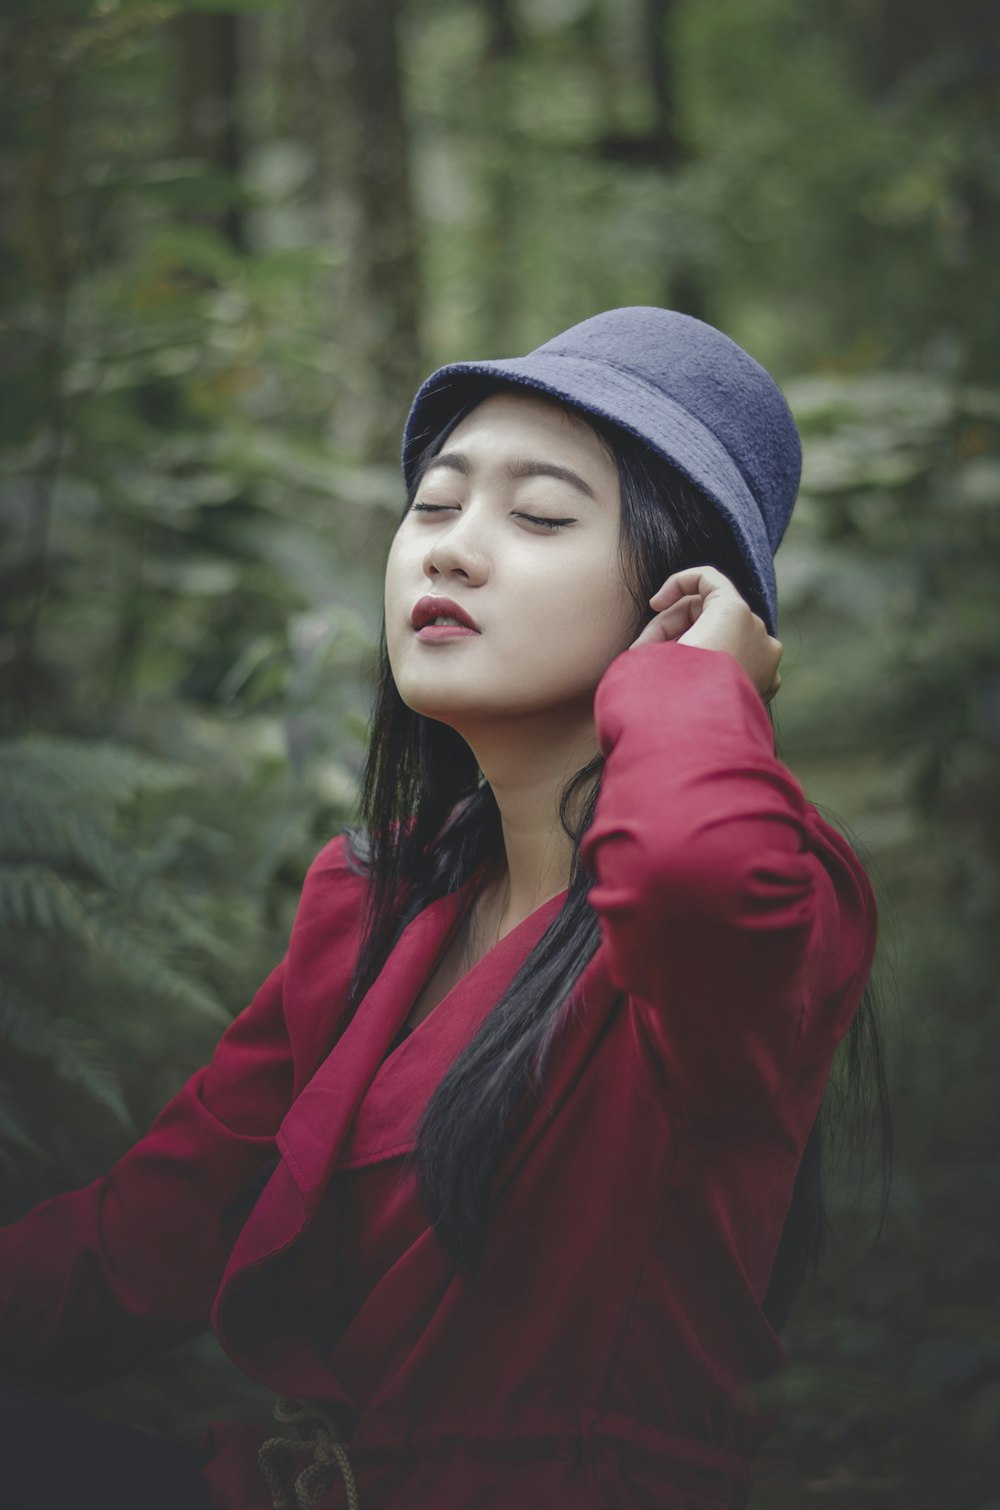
point(278, 1457)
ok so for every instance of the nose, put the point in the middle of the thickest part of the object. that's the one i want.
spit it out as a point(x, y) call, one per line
point(458, 552)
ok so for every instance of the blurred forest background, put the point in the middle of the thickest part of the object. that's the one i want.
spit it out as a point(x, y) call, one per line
point(233, 242)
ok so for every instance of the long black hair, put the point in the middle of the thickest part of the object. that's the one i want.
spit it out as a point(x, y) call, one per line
point(430, 821)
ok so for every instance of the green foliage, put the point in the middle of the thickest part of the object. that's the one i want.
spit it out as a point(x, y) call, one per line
point(89, 917)
point(186, 596)
point(819, 179)
point(889, 590)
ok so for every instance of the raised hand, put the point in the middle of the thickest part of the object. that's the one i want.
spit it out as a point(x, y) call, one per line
point(699, 606)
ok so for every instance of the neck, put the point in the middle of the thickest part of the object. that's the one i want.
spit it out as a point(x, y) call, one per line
point(527, 765)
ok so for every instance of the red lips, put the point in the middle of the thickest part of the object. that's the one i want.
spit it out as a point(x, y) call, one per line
point(431, 607)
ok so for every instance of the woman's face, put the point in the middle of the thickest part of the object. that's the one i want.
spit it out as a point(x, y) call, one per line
point(515, 523)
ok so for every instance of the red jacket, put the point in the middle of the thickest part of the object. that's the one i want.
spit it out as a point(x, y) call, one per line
point(605, 1355)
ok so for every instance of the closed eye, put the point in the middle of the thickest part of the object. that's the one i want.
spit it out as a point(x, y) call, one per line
point(549, 524)
point(537, 519)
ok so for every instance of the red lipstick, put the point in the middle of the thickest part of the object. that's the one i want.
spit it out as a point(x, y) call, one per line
point(431, 608)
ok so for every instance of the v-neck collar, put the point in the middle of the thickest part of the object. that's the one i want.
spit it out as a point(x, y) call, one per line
point(386, 1122)
point(492, 960)
point(360, 1105)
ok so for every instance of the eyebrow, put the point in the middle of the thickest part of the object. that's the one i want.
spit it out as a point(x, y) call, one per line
point(520, 466)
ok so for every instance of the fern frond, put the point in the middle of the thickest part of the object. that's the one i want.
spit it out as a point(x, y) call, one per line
point(12, 1129)
point(183, 920)
point(88, 773)
point(35, 829)
point(91, 1067)
point(36, 897)
point(142, 961)
point(71, 1055)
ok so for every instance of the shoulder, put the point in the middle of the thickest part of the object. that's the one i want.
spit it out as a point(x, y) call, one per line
point(322, 950)
point(333, 893)
point(337, 859)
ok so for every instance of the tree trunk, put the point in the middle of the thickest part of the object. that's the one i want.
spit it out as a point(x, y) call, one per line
point(662, 148)
point(38, 111)
point(208, 50)
point(351, 110)
point(499, 169)
point(655, 19)
point(683, 287)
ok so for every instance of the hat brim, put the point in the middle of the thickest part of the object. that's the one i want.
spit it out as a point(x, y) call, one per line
point(601, 389)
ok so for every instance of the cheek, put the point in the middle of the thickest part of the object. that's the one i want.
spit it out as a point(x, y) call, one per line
point(586, 611)
point(398, 571)
point(395, 601)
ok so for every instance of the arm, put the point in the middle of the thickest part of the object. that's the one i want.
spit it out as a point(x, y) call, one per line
point(741, 924)
point(95, 1280)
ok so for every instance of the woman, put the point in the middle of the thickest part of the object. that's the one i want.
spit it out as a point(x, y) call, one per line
point(507, 1176)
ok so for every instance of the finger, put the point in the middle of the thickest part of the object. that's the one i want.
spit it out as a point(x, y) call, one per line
point(670, 623)
point(690, 606)
point(657, 631)
point(700, 580)
point(691, 581)
point(651, 635)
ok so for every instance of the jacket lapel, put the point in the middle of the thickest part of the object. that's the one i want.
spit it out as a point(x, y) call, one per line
point(357, 1110)
point(311, 1136)
point(386, 1121)
point(309, 1140)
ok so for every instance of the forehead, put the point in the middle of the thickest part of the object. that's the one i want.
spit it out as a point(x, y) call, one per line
point(511, 421)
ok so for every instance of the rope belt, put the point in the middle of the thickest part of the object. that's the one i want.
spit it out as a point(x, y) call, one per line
point(278, 1457)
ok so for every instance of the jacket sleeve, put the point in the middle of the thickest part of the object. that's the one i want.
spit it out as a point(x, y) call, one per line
point(95, 1280)
point(740, 923)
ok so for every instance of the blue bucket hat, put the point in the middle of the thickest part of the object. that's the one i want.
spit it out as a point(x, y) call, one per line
point(680, 386)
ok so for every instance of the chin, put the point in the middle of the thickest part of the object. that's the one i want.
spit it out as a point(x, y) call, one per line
point(455, 713)
point(432, 702)
point(453, 705)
